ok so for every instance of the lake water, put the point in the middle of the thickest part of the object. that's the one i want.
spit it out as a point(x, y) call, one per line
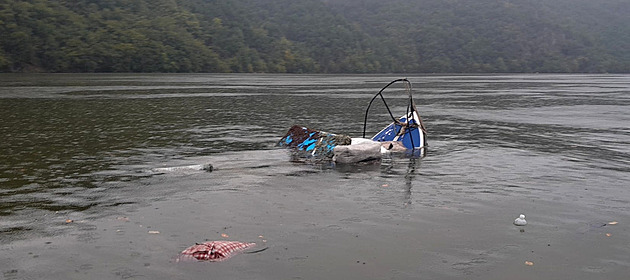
point(99, 178)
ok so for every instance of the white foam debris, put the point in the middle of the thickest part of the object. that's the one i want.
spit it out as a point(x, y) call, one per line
point(520, 221)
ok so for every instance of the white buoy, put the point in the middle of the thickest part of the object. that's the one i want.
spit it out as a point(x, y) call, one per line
point(520, 221)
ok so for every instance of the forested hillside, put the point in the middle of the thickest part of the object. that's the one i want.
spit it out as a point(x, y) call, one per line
point(315, 36)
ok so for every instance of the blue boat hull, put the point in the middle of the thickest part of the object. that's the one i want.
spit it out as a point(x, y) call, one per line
point(413, 138)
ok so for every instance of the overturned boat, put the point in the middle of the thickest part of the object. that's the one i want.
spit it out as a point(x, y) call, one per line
point(404, 135)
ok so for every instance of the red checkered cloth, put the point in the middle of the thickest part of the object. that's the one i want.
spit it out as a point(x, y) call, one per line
point(214, 251)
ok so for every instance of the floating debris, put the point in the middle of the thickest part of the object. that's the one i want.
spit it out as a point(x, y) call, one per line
point(359, 151)
point(187, 168)
point(213, 250)
point(529, 263)
point(69, 221)
point(224, 235)
point(613, 223)
point(520, 221)
point(154, 232)
point(310, 143)
point(207, 167)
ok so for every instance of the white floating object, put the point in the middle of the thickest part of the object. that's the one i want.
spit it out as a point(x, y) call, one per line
point(361, 150)
point(520, 221)
point(196, 167)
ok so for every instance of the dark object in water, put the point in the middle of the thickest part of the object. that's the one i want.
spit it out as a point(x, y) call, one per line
point(213, 251)
point(207, 167)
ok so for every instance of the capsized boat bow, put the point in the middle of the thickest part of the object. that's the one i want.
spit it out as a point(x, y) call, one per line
point(408, 129)
point(406, 133)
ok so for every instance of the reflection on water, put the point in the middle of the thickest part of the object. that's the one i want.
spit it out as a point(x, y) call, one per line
point(83, 143)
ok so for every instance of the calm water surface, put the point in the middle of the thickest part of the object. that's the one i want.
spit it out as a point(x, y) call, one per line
point(119, 154)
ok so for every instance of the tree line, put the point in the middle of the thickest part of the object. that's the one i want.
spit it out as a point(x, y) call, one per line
point(315, 36)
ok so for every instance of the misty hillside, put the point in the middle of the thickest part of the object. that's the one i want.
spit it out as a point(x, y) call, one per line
point(315, 36)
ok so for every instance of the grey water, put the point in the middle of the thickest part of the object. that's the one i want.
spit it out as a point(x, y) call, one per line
point(100, 177)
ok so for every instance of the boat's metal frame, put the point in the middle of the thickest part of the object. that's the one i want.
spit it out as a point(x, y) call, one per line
point(407, 129)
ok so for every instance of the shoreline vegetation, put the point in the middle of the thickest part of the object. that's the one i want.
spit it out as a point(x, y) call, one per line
point(315, 36)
